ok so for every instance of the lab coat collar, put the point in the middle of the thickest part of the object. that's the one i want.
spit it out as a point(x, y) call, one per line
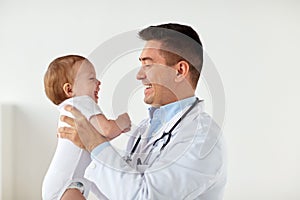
point(166, 113)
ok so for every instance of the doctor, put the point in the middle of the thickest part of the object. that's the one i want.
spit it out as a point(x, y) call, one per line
point(178, 152)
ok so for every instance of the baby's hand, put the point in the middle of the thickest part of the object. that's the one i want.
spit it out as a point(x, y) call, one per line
point(124, 122)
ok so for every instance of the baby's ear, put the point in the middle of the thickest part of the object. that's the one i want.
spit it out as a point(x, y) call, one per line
point(68, 89)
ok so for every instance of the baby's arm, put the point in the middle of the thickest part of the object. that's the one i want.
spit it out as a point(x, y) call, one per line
point(111, 128)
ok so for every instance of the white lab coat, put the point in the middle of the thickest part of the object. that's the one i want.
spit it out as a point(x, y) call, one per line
point(192, 166)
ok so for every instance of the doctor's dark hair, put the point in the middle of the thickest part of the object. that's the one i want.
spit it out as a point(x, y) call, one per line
point(178, 42)
point(60, 71)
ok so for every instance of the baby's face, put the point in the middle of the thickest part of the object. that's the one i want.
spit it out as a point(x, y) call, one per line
point(86, 82)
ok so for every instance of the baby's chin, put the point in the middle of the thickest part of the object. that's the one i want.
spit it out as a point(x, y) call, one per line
point(95, 98)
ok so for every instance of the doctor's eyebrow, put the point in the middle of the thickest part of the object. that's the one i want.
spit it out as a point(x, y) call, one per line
point(145, 59)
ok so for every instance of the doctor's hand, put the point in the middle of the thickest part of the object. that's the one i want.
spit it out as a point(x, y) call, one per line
point(82, 133)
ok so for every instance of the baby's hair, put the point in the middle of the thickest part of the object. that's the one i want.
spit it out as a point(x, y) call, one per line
point(60, 71)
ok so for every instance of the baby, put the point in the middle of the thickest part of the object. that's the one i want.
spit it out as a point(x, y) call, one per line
point(72, 80)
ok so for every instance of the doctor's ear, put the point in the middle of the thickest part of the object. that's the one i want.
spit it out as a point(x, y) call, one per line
point(182, 70)
point(68, 89)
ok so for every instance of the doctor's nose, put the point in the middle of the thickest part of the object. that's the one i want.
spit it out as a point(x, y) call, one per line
point(141, 74)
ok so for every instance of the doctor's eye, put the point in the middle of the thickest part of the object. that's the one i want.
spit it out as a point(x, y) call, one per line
point(147, 65)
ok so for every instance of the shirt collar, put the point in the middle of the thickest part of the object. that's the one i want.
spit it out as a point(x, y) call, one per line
point(166, 112)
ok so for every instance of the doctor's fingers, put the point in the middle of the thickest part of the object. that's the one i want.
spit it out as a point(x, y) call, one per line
point(70, 134)
point(68, 120)
point(75, 112)
point(66, 131)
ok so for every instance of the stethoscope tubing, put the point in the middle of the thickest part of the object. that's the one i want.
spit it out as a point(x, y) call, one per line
point(169, 133)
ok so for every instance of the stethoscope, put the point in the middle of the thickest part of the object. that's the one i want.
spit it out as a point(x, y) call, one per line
point(168, 134)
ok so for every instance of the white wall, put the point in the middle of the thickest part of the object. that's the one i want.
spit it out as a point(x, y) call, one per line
point(6, 151)
point(254, 45)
